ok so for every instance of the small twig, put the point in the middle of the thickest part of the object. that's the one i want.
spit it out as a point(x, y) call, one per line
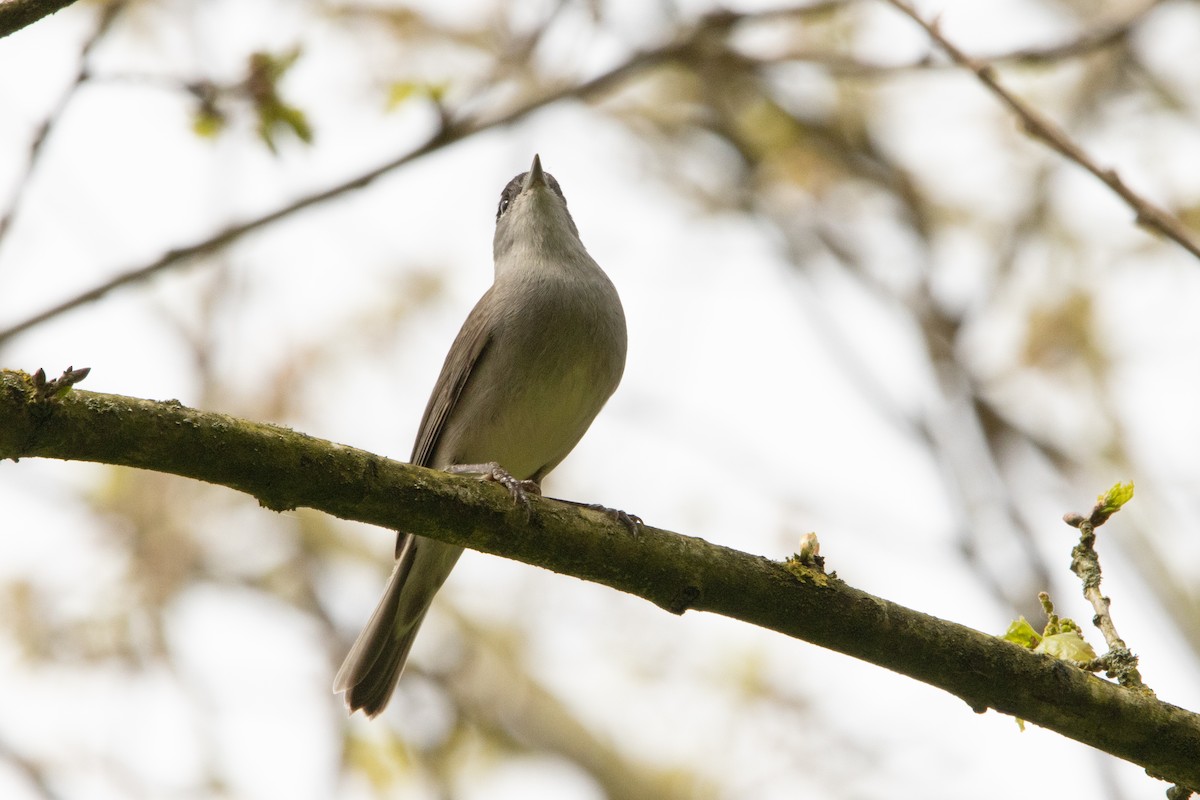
point(1048, 609)
point(1101, 35)
point(1044, 129)
point(29, 769)
point(1119, 661)
point(82, 73)
point(44, 389)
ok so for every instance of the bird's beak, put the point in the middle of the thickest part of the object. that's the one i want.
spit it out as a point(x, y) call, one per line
point(535, 176)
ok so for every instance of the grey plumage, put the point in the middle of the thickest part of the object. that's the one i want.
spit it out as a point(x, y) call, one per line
point(536, 359)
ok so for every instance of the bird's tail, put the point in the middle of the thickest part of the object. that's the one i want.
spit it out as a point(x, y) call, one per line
point(369, 674)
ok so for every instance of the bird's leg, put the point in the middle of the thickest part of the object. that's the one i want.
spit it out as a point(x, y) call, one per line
point(492, 471)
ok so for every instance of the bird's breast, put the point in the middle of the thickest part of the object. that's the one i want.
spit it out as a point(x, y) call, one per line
point(553, 360)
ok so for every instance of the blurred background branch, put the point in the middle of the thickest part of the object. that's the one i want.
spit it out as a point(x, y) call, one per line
point(103, 22)
point(1041, 127)
point(847, 274)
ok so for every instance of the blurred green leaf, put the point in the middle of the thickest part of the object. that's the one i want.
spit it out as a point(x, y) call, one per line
point(401, 92)
point(207, 123)
point(274, 114)
point(272, 67)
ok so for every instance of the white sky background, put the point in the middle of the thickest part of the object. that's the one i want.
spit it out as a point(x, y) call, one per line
point(733, 422)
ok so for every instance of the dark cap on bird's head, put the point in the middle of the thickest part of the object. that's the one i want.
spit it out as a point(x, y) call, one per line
point(526, 181)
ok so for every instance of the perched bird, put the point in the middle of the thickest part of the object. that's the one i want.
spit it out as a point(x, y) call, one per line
point(535, 361)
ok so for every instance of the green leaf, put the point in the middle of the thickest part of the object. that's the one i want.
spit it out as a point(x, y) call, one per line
point(1111, 501)
point(262, 86)
point(273, 66)
point(273, 117)
point(295, 119)
point(207, 124)
point(1022, 633)
point(1067, 646)
point(401, 92)
point(437, 91)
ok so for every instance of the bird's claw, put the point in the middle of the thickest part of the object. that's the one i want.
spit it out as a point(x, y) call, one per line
point(519, 489)
point(492, 471)
point(632, 522)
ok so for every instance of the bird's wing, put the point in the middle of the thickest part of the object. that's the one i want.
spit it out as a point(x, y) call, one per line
point(468, 348)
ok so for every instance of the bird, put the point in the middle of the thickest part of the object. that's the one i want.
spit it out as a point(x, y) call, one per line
point(536, 359)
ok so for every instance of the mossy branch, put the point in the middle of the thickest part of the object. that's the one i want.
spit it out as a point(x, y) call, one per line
point(18, 14)
point(284, 469)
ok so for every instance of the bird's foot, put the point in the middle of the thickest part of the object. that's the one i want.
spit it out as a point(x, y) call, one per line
point(492, 471)
point(632, 522)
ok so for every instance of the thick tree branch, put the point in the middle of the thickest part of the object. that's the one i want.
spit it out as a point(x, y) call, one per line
point(17, 14)
point(284, 469)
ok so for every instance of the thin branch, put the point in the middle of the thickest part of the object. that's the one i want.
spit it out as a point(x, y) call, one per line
point(1101, 35)
point(1085, 563)
point(17, 14)
point(1044, 129)
point(284, 469)
point(451, 132)
point(103, 24)
point(33, 773)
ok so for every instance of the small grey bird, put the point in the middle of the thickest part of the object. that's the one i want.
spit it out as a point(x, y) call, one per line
point(535, 361)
